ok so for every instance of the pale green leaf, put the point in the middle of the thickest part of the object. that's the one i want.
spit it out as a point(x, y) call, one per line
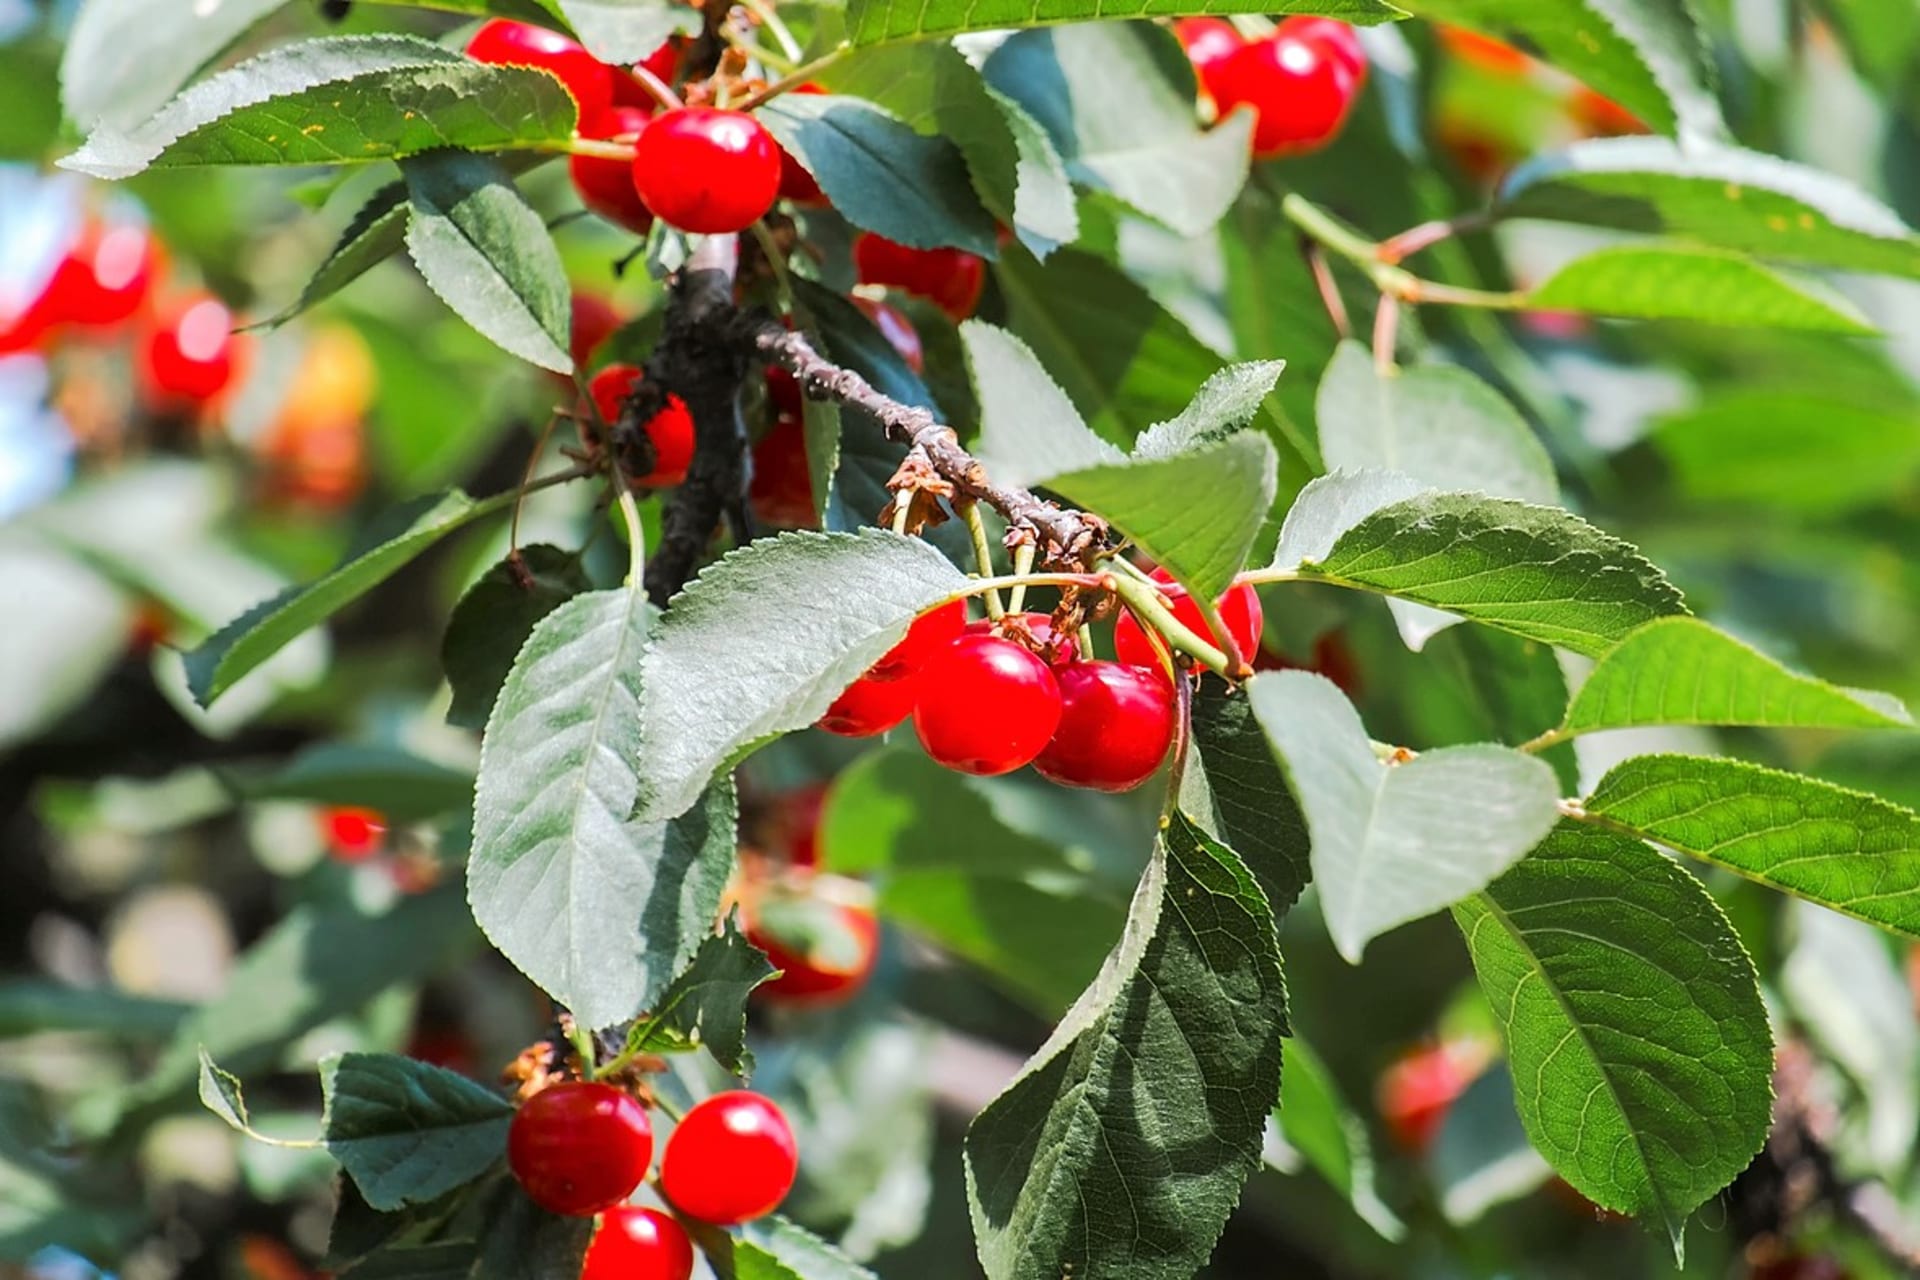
point(774, 1248)
point(124, 58)
point(1227, 402)
point(1690, 282)
point(879, 21)
point(1029, 430)
point(408, 1132)
point(626, 31)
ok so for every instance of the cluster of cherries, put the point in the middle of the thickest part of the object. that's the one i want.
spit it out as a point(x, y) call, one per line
point(581, 1148)
point(1301, 80)
point(989, 697)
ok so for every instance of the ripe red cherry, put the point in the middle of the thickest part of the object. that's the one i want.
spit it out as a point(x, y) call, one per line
point(731, 1160)
point(899, 332)
point(824, 949)
point(1416, 1093)
point(1209, 42)
point(796, 184)
point(504, 42)
point(781, 490)
point(606, 186)
point(1300, 91)
point(638, 1244)
point(671, 429)
point(1338, 39)
point(663, 63)
point(986, 706)
point(870, 707)
point(1055, 648)
point(105, 277)
point(949, 278)
point(705, 170)
point(1116, 723)
point(189, 358)
point(930, 633)
point(354, 835)
point(594, 321)
point(579, 1148)
point(1239, 609)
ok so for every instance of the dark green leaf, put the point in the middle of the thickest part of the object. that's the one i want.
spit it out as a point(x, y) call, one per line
point(878, 21)
point(494, 619)
point(1234, 790)
point(706, 1005)
point(1643, 1115)
point(1316, 1124)
point(521, 1241)
point(29, 1006)
point(408, 1132)
point(377, 232)
point(1688, 282)
point(401, 785)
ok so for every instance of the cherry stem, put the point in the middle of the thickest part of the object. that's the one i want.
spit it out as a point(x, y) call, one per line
point(1329, 288)
point(793, 79)
point(661, 91)
point(1145, 600)
point(1397, 248)
point(1386, 331)
point(1022, 566)
point(983, 555)
point(1388, 277)
point(782, 35)
point(582, 1041)
point(602, 148)
point(1223, 636)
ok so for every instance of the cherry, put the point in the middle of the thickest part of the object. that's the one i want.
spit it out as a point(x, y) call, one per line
point(504, 42)
point(782, 487)
point(799, 820)
point(663, 63)
point(606, 186)
point(1338, 39)
point(796, 184)
point(869, 707)
point(706, 170)
point(1415, 1094)
point(1239, 609)
point(104, 278)
point(1301, 91)
point(1055, 648)
point(824, 949)
point(731, 1160)
point(986, 705)
point(1209, 42)
point(930, 633)
point(578, 1148)
point(353, 834)
point(670, 430)
point(899, 332)
point(949, 278)
point(189, 358)
point(638, 1244)
point(1116, 723)
point(594, 321)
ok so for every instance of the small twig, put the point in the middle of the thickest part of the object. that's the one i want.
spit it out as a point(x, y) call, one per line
point(1398, 248)
point(793, 79)
point(1386, 331)
point(599, 148)
point(781, 34)
point(1329, 287)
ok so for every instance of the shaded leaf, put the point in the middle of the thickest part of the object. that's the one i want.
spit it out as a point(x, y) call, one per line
point(402, 786)
point(408, 1132)
point(377, 231)
point(706, 1003)
point(1029, 430)
point(1234, 790)
point(521, 1241)
point(494, 618)
point(1316, 1125)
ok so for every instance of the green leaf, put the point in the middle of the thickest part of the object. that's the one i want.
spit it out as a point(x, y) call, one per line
point(1234, 790)
point(1044, 212)
point(1228, 402)
point(765, 639)
point(1202, 543)
point(706, 1004)
point(879, 21)
point(408, 1132)
point(1682, 671)
point(377, 231)
point(493, 620)
point(402, 786)
point(773, 1248)
point(521, 1241)
point(617, 31)
point(881, 175)
point(1101, 93)
point(1395, 842)
point(342, 100)
point(1439, 424)
point(1753, 447)
point(1029, 430)
point(124, 58)
point(1842, 849)
point(1650, 56)
point(451, 1261)
point(599, 908)
point(1316, 1124)
point(1538, 572)
point(1574, 946)
point(30, 1005)
point(1722, 196)
point(1121, 1147)
point(486, 252)
point(387, 546)
point(1482, 1157)
point(1689, 282)
point(221, 1094)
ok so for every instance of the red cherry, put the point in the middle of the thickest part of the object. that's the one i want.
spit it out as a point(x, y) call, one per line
point(1055, 648)
point(1209, 42)
point(670, 430)
point(1416, 1093)
point(986, 706)
point(594, 321)
point(1338, 39)
point(781, 490)
point(870, 707)
point(606, 186)
point(504, 42)
point(1239, 609)
point(949, 278)
point(579, 1148)
point(705, 170)
point(799, 821)
point(796, 184)
point(824, 949)
point(189, 359)
point(104, 279)
point(638, 1244)
point(663, 63)
point(899, 332)
point(930, 633)
point(1300, 91)
point(354, 835)
point(1116, 723)
point(731, 1160)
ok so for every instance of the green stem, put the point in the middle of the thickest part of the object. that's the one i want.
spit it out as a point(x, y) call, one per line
point(1210, 613)
point(983, 555)
point(794, 79)
point(599, 148)
point(636, 538)
point(1022, 566)
point(1144, 600)
point(782, 280)
point(582, 1041)
point(1551, 738)
point(1378, 262)
point(781, 34)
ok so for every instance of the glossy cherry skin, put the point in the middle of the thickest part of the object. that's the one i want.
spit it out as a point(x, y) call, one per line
point(594, 321)
point(1055, 648)
point(899, 332)
point(733, 1159)
point(951, 279)
point(1239, 609)
point(671, 429)
point(606, 186)
point(638, 1244)
point(1300, 91)
point(1338, 39)
point(189, 358)
point(931, 632)
point(1116, 723)
point(354, 835)
point(823, 962)
point(1416, 1093)
point(705, 170)
point(1209, 42)
point(505, 42)
point(986, 706)
point(104, 279)
point(578, 1148)
point(870, 707)
point(781, 490)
